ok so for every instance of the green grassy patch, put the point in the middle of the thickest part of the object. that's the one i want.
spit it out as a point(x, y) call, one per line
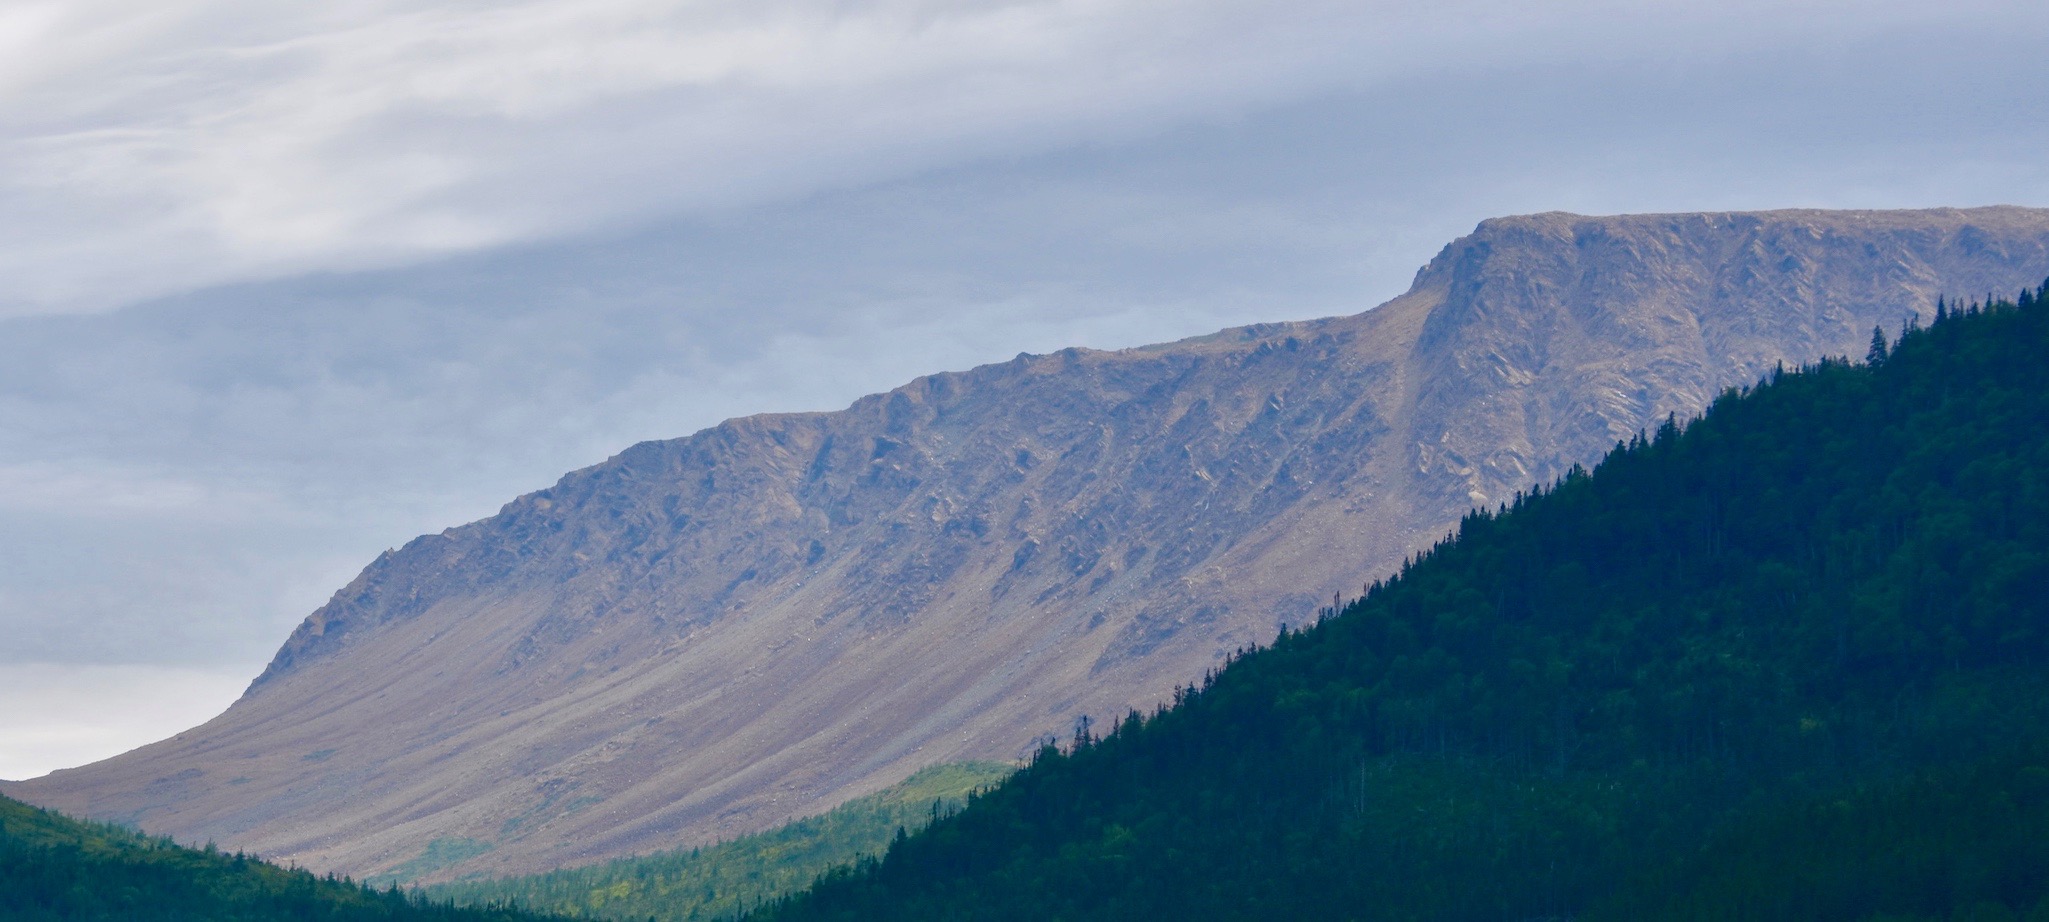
point(723, 881)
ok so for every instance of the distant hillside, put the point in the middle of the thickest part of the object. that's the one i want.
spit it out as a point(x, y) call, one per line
point(725, 880)
point(1785, 662)
point(54, 868)
point(705, 637)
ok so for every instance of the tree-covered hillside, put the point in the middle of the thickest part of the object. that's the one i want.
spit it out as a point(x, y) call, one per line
point(725, 880)
point(55, 868)
point(1963, 842)
point(1750, 643)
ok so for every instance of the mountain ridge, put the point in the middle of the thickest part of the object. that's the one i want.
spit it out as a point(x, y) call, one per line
point(706, 636)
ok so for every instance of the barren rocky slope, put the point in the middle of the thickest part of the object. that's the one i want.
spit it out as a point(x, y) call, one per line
point(706, 636)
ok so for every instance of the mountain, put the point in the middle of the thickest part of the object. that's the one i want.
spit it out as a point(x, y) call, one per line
point(705, 637)
point(54, 868)
point(1785, 662)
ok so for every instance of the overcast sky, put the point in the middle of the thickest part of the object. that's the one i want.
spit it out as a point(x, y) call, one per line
point(288, 284)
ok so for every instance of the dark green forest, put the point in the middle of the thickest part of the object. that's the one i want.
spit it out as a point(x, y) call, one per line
point(723, 881)
point(52, 868)
point(1786, 661)
point(1961, 842)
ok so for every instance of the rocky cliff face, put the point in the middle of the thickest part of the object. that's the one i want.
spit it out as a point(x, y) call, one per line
point(706, 636)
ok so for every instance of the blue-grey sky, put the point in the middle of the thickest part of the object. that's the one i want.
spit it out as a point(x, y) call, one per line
point(285, 285)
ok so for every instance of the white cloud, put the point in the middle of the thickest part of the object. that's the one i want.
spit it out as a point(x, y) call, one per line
point(149, 147)
point(96, 488)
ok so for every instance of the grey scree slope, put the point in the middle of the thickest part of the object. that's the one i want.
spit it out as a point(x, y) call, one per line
point(707, 636)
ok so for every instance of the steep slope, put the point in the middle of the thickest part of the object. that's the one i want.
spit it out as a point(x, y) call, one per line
point(1785, 663)
point(55, 868)
point(706, 636)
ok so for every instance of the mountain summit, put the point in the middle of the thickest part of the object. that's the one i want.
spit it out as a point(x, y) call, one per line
point(707, 636)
